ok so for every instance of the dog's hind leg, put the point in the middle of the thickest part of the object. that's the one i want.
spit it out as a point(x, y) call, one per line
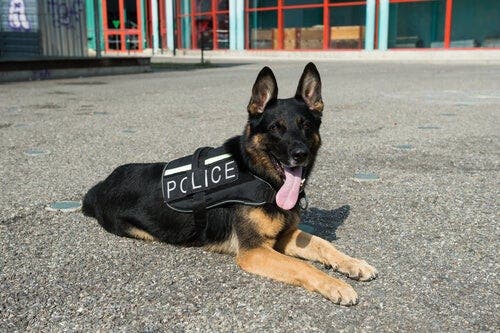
point(300, 244)
point(267, 262)
point(127, 226)
point(135, 232)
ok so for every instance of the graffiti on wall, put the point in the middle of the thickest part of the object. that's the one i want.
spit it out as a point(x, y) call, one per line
point(66, 14)
point(17, 16)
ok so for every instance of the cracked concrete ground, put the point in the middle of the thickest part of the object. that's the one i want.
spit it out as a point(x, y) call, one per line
point(429, 224)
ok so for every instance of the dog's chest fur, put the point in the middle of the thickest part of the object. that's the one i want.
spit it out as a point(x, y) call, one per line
point(257, 226)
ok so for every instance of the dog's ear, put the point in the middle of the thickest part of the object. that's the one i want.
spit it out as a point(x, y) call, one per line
point(265, 89)
point(309, 88)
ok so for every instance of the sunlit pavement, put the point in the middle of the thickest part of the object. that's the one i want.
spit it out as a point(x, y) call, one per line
point(407, 179)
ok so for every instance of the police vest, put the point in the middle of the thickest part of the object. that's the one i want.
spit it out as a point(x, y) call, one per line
point(210, 178)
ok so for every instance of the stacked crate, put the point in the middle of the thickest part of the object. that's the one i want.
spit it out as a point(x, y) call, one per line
point(311, 38)
point(262, 38)
point(344, 37)
point(291, 38)
point(303, 38)
point(347, 37)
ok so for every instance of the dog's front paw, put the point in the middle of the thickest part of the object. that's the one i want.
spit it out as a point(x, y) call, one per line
point(341, 293)
point(356, 269)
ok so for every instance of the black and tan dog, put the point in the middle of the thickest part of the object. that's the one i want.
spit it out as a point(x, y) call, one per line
point(279, 147)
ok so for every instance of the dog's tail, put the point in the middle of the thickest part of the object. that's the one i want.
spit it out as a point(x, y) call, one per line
point(89, 203)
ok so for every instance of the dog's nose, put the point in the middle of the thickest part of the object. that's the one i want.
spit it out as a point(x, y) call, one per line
point(299, 155)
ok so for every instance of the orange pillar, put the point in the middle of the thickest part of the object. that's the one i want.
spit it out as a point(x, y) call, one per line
point(447, 24)
point(326, 25)
point(280, 24)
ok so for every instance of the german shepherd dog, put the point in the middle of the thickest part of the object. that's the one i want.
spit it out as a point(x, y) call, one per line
point(279, 145)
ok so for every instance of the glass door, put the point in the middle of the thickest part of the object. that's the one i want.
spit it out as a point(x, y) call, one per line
point(122, 20)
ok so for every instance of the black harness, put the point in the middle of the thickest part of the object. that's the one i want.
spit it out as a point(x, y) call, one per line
point(211, 178)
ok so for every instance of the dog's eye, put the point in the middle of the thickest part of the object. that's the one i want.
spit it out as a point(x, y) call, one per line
point(306, 125)
point(303, 124)
point(273, 127)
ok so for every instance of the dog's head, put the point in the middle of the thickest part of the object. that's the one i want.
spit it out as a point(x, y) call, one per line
point(282, 135)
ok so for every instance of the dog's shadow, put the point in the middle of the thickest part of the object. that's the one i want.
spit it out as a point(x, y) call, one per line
point(324, 223)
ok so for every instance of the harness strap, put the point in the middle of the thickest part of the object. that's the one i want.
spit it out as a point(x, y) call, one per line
point(199, 203)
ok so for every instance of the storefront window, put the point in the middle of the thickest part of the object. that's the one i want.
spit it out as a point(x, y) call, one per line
point(301, 2)
point(305, 24)
point(340, 24)
point(223, 31)
point(475, 24)
point(204, 26)
point(113, 14)
point(417, 24)
point(122, 25)
point(262, 3)
point(303, 29)
point(262, 29)
point(114, 43)
point(203, 6)
point(347, 22)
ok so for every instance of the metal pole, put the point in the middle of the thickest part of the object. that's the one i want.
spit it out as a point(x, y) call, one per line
point(240, 25)
point(383, 30)
point(370, 25)
point(232, 24)
point(202, 47)
point(175, 26)
point(154, 25)
point(170, 22)
point(255, 23)
point(97, 28)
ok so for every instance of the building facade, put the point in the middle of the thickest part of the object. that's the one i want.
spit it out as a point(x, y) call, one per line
point(42, 28)
point(69, 28)
point(134, 25)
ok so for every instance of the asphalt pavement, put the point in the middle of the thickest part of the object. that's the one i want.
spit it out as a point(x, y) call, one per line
point(407, 179)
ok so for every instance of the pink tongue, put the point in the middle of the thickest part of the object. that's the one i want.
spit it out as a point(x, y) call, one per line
point(287, 196)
